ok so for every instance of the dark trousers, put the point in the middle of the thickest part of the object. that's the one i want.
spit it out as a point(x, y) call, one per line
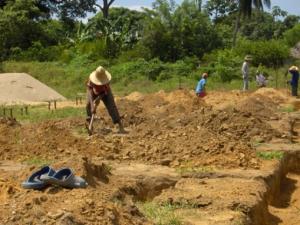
point(110, 105)
point(294, 90)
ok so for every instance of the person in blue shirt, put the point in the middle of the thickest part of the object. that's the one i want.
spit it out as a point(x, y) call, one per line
point(200, 89)
point(294, 71)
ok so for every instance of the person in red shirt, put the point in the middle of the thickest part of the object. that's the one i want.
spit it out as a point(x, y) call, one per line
point(98, 88)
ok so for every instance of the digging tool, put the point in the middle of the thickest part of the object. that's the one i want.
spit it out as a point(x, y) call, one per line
point(90, 127)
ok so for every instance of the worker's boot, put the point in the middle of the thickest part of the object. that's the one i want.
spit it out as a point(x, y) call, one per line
point(121, 128)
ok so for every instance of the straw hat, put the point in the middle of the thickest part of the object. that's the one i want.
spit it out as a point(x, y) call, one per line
point(100, 76)
point(248, 58)
point(294, 68)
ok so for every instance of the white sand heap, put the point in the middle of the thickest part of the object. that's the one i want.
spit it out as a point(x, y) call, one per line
point(21, 88)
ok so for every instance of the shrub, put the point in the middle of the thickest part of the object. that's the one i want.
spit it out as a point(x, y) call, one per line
point(129, 70)
point(268, 53)
point(36, 53)
point(178, 69)
point(225, 65)
point(137, 52)
point(292, 36)
point(93, 49)
point(67, 55)
point(153, 69)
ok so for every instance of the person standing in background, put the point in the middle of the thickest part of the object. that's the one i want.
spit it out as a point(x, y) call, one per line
point(245, 72)
point(200, 89)
point(294, 71)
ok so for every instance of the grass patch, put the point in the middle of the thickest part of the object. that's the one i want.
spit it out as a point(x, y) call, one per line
point(270, 155)
point(160, 214)
point(288, 109)
point(37, 161)
point(189, 169)
point(41, 113)
point(69, 79)
point(80, 131)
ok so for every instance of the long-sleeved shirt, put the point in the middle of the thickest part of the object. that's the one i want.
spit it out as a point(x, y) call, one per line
point(295, 78)
point(245, 70)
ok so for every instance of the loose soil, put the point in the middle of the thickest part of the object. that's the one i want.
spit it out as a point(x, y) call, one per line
point(286, 208)
point(179, 150)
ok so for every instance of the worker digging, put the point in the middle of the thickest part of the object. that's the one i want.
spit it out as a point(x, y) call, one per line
point(98, 88)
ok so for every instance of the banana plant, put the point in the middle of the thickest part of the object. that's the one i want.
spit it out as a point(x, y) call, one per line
point(84, 33)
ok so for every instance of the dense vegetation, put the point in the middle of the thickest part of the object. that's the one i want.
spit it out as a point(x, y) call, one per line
point(167, 44)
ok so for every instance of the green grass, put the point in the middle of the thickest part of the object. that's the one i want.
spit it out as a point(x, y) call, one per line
point(69, 79)
point(41, 113)
point(288, 109)
point(37, 161)
point(190, 169)
point(160, 214)
point(81, 131)
point(270, 155)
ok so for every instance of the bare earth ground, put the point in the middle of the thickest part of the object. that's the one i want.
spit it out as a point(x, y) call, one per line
point(199, 156)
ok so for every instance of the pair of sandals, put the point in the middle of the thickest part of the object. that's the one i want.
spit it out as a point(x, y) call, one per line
point(47, 176)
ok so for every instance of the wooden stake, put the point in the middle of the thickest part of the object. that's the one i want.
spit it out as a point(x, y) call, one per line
point(11, 112)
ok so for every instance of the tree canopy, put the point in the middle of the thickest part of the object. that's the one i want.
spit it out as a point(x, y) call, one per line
point(168, 31)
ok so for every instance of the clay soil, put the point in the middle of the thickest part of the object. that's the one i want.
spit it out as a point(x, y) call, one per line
point(285, 211)
point(169, 134)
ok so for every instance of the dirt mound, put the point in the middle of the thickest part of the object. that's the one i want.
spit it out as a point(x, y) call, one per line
point(10, 122)
point(238, 125)
point(165, 128)
point(263, 103)
point(135, 96)
point(94, 172)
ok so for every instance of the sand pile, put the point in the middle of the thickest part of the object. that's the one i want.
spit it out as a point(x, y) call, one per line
point(21, 88)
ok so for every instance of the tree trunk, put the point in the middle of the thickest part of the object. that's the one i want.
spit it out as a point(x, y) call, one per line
point(105, 9)
point(237, 28)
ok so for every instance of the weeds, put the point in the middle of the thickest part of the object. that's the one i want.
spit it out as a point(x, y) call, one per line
point(41, 113)
point(69, 79)
point(270, 155)
point(188, 169)
point(160, 214)
point(37, 161)
point(288, 109)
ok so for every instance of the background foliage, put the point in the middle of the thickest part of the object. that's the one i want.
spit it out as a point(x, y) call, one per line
point(166, 44)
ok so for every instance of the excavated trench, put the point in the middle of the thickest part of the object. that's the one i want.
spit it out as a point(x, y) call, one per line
point(281, 202)
point(278, 204)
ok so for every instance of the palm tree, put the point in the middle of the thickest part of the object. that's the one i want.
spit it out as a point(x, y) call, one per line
point(245, 9)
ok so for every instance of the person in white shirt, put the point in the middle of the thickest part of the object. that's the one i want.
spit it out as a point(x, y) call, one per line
point(245, 72)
